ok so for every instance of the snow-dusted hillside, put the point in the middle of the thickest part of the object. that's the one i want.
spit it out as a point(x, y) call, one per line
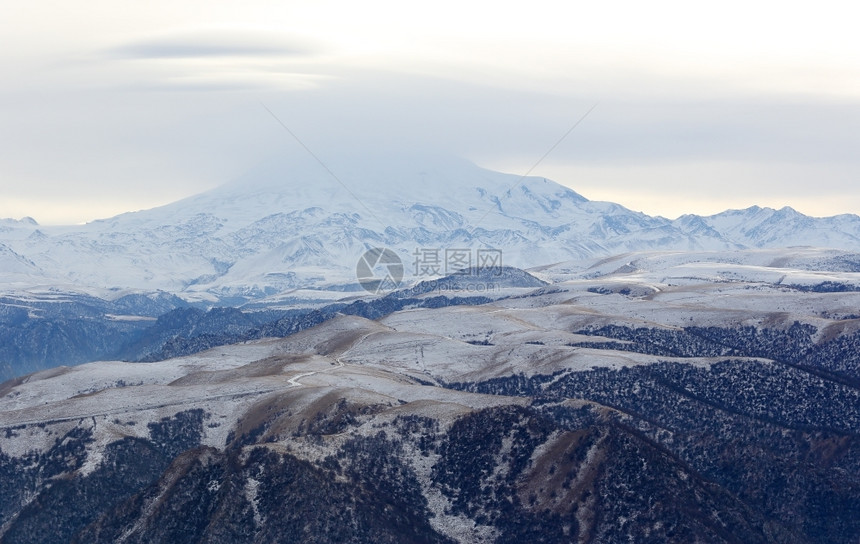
point(583, 409)
point(291, 225)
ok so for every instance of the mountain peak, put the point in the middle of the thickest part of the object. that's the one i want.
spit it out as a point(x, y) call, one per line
point(381, 188)
point(24, 221)
point(295, 223)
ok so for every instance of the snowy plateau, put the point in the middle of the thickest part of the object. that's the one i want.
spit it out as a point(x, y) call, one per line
point(620, 378)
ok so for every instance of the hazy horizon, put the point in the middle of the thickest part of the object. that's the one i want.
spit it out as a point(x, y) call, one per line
point(119, 108)
point(346, 182)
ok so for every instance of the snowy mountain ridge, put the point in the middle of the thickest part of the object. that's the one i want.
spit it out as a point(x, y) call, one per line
point(288, 225)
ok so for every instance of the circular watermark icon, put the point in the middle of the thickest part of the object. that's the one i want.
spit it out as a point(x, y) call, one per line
point(379, 270)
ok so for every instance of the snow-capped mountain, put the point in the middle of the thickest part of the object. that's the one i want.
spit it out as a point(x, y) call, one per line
point(296, 224)
point(757, 227)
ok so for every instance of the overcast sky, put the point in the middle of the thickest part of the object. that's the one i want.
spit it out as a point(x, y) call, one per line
point(115, 106)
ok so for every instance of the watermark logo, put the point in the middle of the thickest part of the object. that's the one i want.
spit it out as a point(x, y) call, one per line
point(379, 270)
point(434, 261)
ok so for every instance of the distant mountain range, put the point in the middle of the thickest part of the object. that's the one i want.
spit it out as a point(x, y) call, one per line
point(287, 226)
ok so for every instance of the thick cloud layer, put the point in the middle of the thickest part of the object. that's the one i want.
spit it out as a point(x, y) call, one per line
point(111, 110)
